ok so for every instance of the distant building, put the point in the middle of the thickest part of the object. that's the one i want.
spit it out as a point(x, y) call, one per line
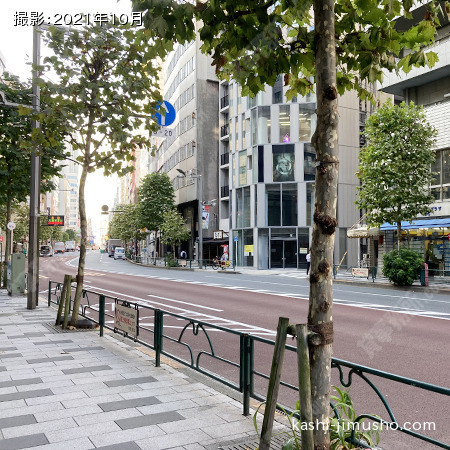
point(191, 86)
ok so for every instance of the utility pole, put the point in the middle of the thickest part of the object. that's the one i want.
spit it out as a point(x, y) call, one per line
point(35, 186)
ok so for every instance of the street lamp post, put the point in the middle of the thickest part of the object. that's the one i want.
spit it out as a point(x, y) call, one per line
point(198, 176)
point(35, 187)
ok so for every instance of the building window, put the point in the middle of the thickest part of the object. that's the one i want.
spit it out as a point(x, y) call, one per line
point(440, 186)
point(273, 198)
point(282, 204)
point(243, 168)
point(283, 162)
point(254, 127)
point(310, 194)
point(285, 124)
point(277, 91)
point(309, 161)
point(263, 124)
point(306, 121)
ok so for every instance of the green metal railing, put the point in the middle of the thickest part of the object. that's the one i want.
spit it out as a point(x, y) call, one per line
point(94, 309)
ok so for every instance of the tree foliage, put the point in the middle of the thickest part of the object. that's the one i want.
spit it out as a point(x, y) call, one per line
point(395, 167)
point(125, 224)
point(16, 140)
point(156, 196)
point(254, 42)
point(402, 266)
point(173, 229)
point(107, 92)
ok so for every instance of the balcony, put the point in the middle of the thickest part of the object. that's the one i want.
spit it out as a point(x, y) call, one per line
point(224, 191)
point(224, 159)
point(224, 101)
point(224, 131)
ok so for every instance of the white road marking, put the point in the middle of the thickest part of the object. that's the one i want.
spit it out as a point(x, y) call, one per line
point(204, 317)
point(184, 303)
point(351, 303)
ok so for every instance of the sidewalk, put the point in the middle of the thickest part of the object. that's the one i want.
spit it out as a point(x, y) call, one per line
point(77, 390)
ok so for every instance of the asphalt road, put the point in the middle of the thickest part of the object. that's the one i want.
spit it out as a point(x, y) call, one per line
point(406, 333)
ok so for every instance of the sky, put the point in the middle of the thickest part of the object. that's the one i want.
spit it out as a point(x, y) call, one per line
point(16, 45)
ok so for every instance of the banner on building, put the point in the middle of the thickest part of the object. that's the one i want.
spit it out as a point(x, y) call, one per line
point(205, 216)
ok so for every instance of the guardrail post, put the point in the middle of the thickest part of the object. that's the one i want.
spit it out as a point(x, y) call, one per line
point(246, 371)
point(334, 271)
point(158, 336)
point(101, 312)
point(49, 297)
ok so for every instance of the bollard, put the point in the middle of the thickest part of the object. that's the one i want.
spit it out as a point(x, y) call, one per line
point(49, 297)
point(158, 338)
point(101, 313)
point(246, 371)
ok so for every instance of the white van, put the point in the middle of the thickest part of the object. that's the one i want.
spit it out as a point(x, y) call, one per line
point(59, 247)
point(119, 253)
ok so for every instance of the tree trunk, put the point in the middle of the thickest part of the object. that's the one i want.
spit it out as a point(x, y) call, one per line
point(83, 242)
point(325, 141)
point(399, 235)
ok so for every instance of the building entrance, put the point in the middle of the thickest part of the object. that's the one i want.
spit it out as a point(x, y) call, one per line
point(283, 253)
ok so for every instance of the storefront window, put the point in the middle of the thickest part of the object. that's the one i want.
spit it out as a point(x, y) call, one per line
point(248, 248)
point(283, 163)
point(285, 124)
point(263, 124)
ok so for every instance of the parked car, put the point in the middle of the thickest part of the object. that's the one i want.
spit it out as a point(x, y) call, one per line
point(46, 250)
point(59, 247)
point(119, 253)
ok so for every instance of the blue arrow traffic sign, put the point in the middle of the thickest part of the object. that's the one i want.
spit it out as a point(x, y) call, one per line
point(169, 117)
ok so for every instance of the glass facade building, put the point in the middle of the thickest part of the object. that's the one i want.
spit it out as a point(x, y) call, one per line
point(267, 175)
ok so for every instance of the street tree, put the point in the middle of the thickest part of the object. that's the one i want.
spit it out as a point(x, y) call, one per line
point(173, 229)
point(49, 233)
point(395, 166)
point(327, 45)
point(156, 196)
point(107, 93)
point(16, 140)
point(125, 224)
point(71, 234)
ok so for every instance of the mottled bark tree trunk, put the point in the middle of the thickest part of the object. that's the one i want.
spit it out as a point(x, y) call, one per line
point(325, 141)
point(399, 234)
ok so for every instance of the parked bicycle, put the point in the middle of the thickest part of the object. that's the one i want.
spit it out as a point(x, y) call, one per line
point(220, 263)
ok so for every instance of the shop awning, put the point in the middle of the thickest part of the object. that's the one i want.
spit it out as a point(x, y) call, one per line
point(422, 223)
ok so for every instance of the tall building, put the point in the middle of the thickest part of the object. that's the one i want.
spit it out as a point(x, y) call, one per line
point(429, 87)
point(267, 174)
point(190, 155)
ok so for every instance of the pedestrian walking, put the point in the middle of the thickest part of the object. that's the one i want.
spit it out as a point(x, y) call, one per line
point(308, 262)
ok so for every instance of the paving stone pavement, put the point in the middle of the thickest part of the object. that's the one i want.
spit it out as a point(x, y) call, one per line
point(78, 390)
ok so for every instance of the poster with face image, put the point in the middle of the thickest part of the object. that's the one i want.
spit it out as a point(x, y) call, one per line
point(283, 163)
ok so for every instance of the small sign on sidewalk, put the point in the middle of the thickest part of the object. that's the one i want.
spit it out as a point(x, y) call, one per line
point(126, 319)
point(362, 272)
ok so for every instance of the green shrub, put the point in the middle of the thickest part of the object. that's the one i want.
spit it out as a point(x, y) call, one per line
point(402, 267)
